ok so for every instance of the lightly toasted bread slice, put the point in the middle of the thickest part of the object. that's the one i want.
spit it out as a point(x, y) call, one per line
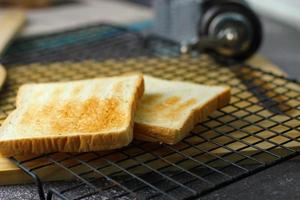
point(76, 116)
point(169, 110)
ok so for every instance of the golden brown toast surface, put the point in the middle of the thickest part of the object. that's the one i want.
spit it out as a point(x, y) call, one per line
point(169, 109)
point(90, 115)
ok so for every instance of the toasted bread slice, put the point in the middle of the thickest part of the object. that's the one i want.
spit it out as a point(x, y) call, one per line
point(78, 116)
point(169, 110)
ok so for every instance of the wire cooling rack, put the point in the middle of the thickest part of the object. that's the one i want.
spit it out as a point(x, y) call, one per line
point(259, 128)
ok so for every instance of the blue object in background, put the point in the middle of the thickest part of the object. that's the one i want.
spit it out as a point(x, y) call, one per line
point(94, 33)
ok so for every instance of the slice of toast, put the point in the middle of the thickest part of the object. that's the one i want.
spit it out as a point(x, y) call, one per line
point(169, 110)
point(77, 116)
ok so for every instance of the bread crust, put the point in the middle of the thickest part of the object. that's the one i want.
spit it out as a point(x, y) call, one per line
point(172, 136)
point(96, 141)
point(2, 75)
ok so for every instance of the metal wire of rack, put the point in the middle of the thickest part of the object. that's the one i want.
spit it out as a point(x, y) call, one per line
point(260, 127)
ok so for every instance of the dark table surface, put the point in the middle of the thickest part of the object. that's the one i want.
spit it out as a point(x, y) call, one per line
point(282, 47)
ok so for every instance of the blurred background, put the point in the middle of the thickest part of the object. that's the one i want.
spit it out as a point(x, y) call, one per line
point(281, 21)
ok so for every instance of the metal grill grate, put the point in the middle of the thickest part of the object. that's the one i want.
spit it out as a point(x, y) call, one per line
point(258, 129)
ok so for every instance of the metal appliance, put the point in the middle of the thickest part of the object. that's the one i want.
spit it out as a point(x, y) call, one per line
point(228, 29)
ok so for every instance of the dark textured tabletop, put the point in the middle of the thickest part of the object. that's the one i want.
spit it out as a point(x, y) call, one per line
point(282, 47)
